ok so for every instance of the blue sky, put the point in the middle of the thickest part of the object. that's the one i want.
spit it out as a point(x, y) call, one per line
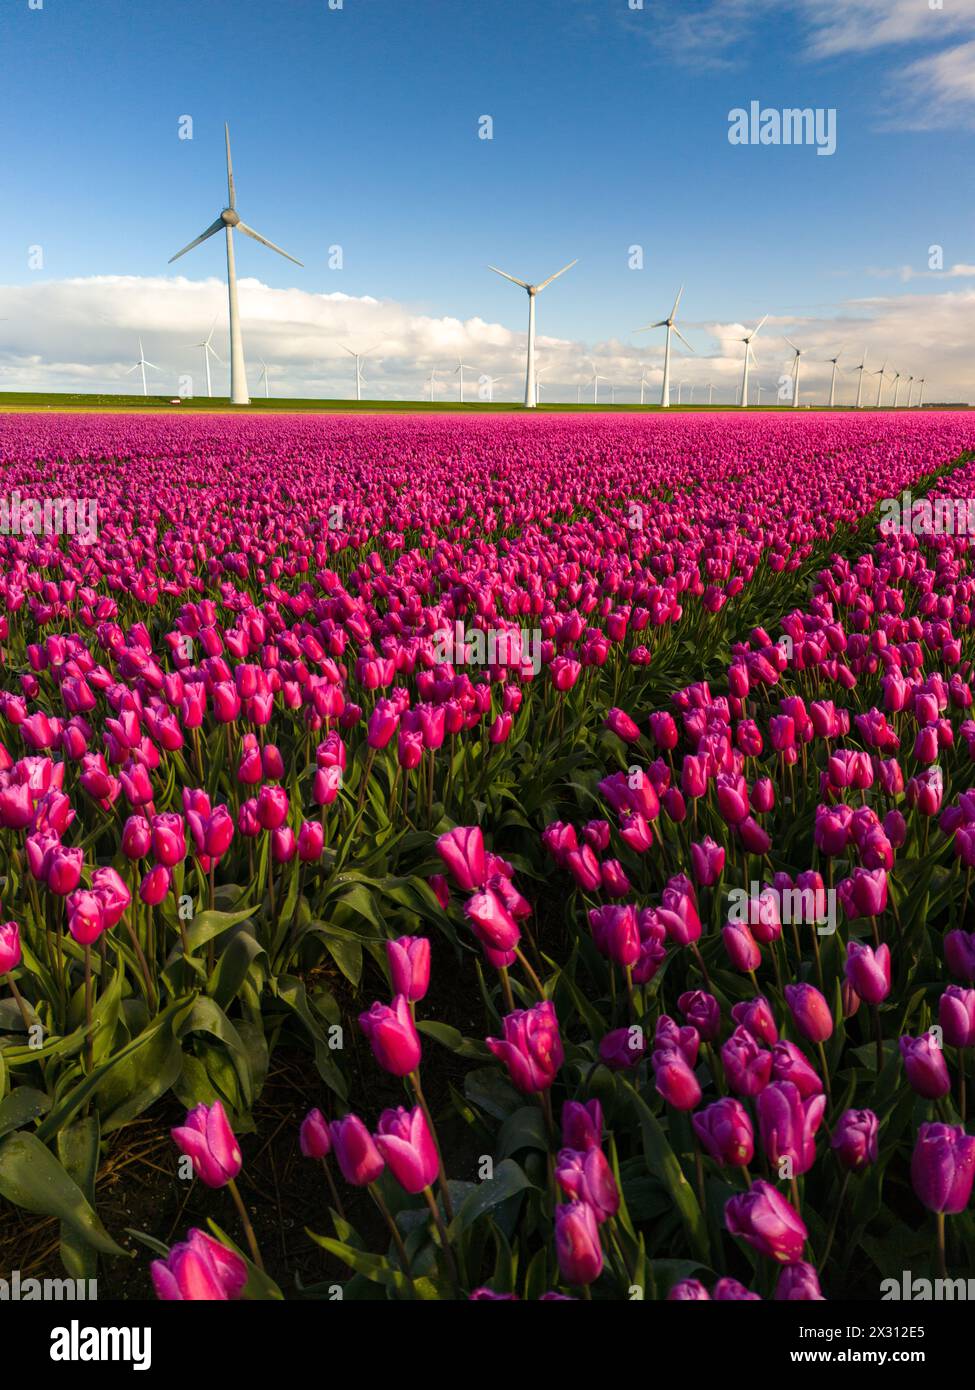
point(359, 127)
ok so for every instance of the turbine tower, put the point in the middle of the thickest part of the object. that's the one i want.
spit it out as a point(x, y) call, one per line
point(920, 394)
point(462, 367)
point(910, 390)
point(531, 291)
point(226, 222)
point(795, 373)
point(880, 384)
point(596, 379)
point(710, 392)
point(747, 340)
point(491, 382)
point(643, 382)
point(832, 381)
point(670, 323)
point(143, 363)
point(359, 378)
point(208, 351)
point(263, 377)
point(860, 370)
point(432, 379)
point(897, 387)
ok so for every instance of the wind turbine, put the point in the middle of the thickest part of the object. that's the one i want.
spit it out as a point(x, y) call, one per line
point(643, 381)
point(710, 392)
point(832, 382)
point(595, 379)
point(880, 383)
point(860, 370)
point(207, 347)
point(461, 367)
point(759, 388)
point(910, 390)
point(897, 387)
point(143, 363)
point(538, 384)
point(747, 340)
point(359, 378)
point(920, 394)
point(680, 387)
point(493, 381)
point(670, 323)
point(531, 291)
point(226, 222)
point(263, 377)
point(795, 373)
point(432, 380)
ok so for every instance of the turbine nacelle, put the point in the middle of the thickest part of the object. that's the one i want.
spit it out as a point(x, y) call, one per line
point(229, 217)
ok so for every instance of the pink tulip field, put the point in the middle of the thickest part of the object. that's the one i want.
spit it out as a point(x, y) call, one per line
point(577, 811)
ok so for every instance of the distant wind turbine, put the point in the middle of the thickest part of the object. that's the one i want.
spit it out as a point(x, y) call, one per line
point(710, 392)
point(832, 382)
point(359, 378)
point(643, 382)
point(880, 382)
point(747, 340)
point(208, 350)
point(462, 367)
point(860, 370)
point(143, 363)
point(226, 222)
point(910, 390)
point(491, 382)
point(263, 377)
point(920, 394)
point(596, 379)
point(670, 323)
point(432, 380)
point(897, 387)
point(531, 291)
point(795, 373)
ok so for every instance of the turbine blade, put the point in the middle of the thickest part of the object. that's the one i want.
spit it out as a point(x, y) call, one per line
point(557, 274)
point(792, 346)
point(153, 366)
point(230, 169)
point(513, 278)
point(256, 236)
point(129, 370)
point(679, 334)
point(673, 312)
point(212, 230)
point(761, 321)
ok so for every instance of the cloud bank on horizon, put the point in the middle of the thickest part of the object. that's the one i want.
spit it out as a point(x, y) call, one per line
point(83, 334)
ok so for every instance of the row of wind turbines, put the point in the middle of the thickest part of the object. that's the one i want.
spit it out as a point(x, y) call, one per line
point(228, 221)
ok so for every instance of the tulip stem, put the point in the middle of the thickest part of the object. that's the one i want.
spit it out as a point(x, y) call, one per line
point(404, 1258)
point(444, 1242)
point(834, 1220)
point(89, 1041)
point(441, 1170)
point(245, 1221)
point(25, 1016)
point(506, 989)
point(143, 965)
point(880, 1038)
point(523, 962)
point(825, 1066)
point(942, 1259)
point(333, 1189)
point(703, 968)
point(961, 1083)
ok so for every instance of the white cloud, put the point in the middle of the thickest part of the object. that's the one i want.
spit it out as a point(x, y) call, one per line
point(82, 334)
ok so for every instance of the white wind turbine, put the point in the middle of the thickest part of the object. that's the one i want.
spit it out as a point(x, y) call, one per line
point(226, 222)
point(538, 383)
point(263, 377)
point(670, 323)
point(710, 392)
point(208, 351)
point(910, 390)
point(920, 394)
point(897, 387)
point(490, 382)
point(832, 380)
point(795, 373)
point(462, 367)
point(860, 370)
point(143, 363)
point(596, 379)
point(747, 340)
point(432, 381)
point(358, 356)
point(759, 388)
point(531, 291)
point(644, 383)
point(880, 382)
